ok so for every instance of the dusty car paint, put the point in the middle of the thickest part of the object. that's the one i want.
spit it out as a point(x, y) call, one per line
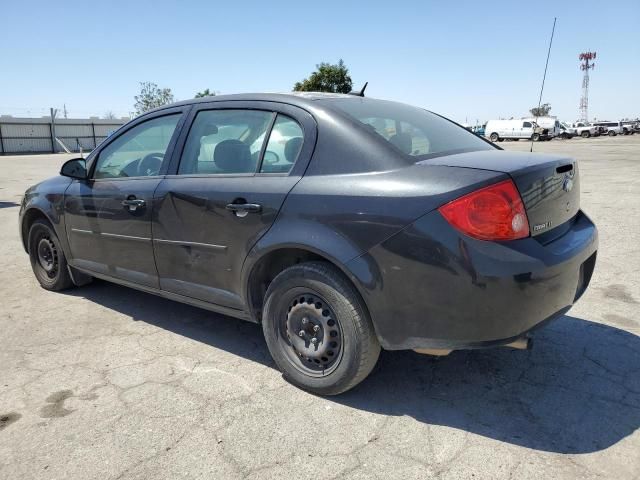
point(351, 200)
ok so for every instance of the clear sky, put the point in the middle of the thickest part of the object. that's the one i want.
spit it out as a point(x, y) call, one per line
point(466, 60)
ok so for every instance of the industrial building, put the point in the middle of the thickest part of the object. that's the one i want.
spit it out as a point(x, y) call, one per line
point(42, 135)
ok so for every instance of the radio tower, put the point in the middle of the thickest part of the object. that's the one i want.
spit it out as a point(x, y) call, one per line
point(586, 64)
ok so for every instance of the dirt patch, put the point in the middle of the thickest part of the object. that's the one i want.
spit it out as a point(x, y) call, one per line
point(620, 320)
point(55, 407)
point(619, 292)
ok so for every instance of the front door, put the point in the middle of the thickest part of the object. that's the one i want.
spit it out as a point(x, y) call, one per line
point(108, 218)
point(234, 173)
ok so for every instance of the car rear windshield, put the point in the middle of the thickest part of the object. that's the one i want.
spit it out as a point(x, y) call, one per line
point(411, 130)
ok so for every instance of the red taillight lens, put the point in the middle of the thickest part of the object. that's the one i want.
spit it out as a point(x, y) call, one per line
point(495, 212)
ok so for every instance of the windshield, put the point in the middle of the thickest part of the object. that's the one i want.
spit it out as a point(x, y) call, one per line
point(411, 130)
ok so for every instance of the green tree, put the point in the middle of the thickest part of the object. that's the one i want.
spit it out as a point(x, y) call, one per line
point(205, 93)
point(541, 111)
point(151, 97)
point(327, 78)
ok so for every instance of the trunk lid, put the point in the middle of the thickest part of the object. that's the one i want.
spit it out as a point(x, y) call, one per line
point(548, 184)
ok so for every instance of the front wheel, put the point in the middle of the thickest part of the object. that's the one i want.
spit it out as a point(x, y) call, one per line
point(318, 330)
point(47, 258)
point(612, 133)
point(535, 137)
point(585, 134)
point(494, 137)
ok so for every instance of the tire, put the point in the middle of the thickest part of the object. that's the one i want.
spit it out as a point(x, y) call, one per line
point(612, 133)
point(585, 134)
point(315, 301)
point(494, 137)
point(47, 258)
point(535, 137)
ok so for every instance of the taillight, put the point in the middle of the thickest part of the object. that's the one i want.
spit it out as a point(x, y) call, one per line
point(495, 212)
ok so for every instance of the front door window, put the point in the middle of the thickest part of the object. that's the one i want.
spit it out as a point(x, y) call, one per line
point(138, 152)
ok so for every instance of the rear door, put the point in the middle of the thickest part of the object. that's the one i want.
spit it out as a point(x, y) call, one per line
point(108, 217)
point(237, 163)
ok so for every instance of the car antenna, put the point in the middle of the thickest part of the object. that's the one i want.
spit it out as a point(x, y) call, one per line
point(543, 79)
point(361, 92)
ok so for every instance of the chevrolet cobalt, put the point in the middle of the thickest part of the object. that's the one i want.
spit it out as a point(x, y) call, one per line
point(341, 224)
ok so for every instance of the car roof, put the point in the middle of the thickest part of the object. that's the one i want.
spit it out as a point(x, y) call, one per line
point(294, 98)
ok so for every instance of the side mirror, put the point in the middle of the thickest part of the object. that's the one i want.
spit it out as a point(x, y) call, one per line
point(74, 168)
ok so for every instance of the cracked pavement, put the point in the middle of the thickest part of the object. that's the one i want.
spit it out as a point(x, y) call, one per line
point(104, 382)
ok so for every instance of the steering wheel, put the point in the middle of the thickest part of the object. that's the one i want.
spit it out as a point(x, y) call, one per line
point(150, 164)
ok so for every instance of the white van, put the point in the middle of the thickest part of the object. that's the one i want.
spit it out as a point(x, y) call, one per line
point(498, 130)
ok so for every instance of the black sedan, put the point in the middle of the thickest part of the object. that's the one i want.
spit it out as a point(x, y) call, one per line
point(342, 224)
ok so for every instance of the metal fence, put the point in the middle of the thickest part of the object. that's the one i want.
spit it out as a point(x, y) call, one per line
point(40, 135)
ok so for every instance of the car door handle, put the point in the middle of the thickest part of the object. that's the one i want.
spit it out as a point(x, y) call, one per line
point(241, 209)
point(133, 203)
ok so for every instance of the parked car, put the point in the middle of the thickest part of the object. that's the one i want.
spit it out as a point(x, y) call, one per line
point(478, 130)
point(612, 128)
point(499, 130)
point(567, 132)
point(380, 225)
point(630, 127)
point(585, 130)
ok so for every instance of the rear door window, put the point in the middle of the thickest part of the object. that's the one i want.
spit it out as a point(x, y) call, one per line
point(225, 142)
point(283, 148)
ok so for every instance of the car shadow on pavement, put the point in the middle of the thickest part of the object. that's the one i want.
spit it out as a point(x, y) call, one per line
point(577, 391)
point(4, 204)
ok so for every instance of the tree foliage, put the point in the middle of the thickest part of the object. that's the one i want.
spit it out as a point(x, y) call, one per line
point(151, 97)
point(541, 111)
point(205, 93)
point(327, 78)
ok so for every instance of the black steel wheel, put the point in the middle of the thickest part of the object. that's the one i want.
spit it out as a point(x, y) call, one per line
point(310, 333)
point(318, 330)
point(47, 258)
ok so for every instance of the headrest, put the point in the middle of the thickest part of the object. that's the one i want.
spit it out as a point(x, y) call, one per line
point(209, 129)
point(402, 141)
point(233, 156)
point(292, 149)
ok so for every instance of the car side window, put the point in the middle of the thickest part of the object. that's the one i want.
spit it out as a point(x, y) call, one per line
point(526, 124)
point(225, 142)
point(283, 148)
point(139, 152)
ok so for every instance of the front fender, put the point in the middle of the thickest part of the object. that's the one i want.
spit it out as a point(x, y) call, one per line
point(45, 200)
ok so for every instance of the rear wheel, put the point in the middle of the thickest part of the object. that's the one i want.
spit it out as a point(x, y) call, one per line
point(318, 330)
point(585, 134)
point(494, 137)
point(612, 133)
point(47, 258)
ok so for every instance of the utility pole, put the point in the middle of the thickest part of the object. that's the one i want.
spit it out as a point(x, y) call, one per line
point(64, 109)
point(53, 112)
point(586, 64)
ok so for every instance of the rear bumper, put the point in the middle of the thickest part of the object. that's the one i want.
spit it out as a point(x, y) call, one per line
point(431, 287)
